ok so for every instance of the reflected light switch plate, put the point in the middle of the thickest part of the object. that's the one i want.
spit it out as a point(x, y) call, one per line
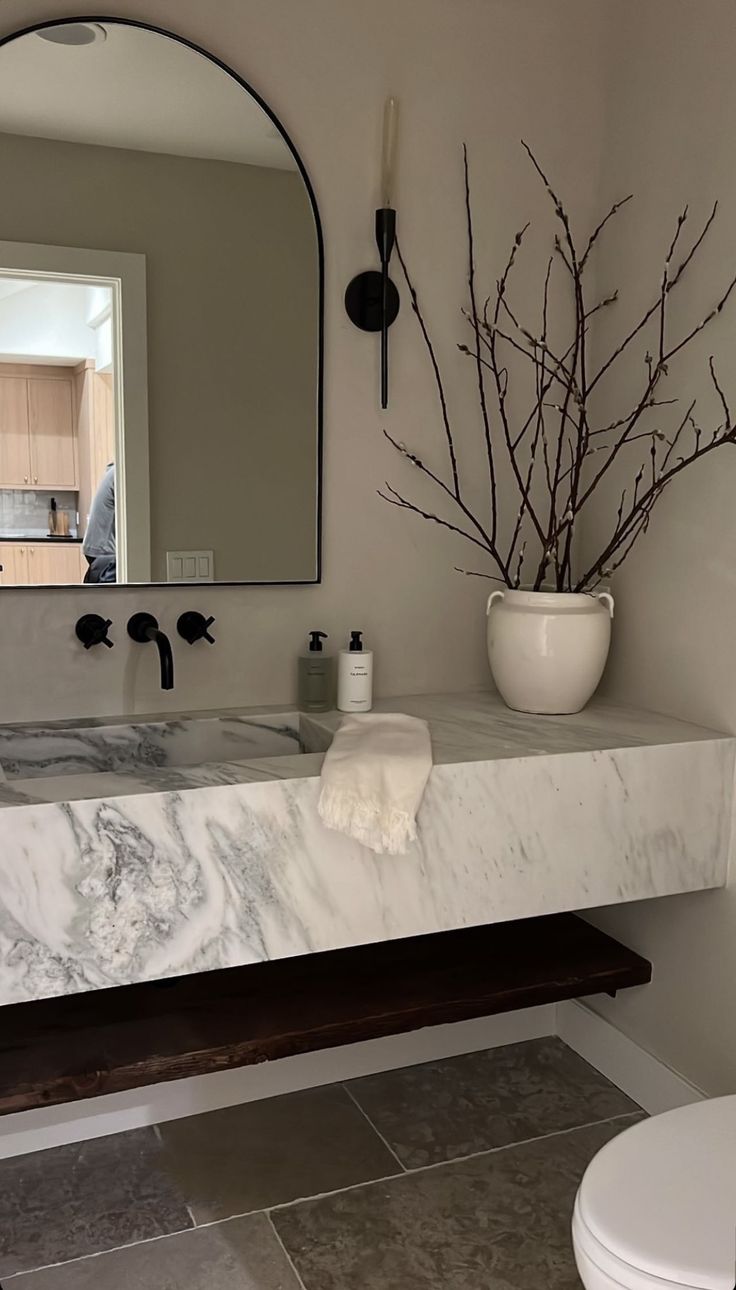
point(190, 566)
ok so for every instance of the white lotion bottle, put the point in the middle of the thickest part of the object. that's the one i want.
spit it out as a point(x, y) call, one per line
point(355, 676)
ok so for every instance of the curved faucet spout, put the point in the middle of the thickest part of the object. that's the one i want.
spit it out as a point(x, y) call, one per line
point(165, 655)
point(144, 628)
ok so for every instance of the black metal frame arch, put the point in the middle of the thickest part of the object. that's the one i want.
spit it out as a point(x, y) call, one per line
point(87, 19)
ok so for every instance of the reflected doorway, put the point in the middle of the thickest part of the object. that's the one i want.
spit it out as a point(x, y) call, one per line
point(67, 454)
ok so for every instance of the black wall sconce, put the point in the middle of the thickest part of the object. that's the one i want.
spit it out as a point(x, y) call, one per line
point(371, 298)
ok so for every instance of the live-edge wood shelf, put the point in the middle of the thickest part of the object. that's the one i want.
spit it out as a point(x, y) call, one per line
point(59, 1050)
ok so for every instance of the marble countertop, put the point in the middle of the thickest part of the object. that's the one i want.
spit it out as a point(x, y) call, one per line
point(131, 872)
point(479, 727)
point(470, 727)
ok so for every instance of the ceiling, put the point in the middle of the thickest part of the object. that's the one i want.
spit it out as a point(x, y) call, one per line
point(11, 286)
point(135, 89)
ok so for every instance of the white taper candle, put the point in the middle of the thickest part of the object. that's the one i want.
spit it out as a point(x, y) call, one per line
point(388, 164)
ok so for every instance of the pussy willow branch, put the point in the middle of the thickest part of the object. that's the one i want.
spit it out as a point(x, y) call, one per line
point(455, 491)
point(539, 432)
point(600, 227)
point(435, 368)
point(501, 383)
point(642, 504)
point(485, 538)
point(397, 500)
point(647, 400)
point(570, 259)
point(639, 327)
point(478, 364)
point(658, 371)
point(476, 573)
point(566, 458)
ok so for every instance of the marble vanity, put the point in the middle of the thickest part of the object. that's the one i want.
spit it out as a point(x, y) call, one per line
point(135, 851)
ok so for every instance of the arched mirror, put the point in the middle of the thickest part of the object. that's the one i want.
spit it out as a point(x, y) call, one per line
point(160, 318)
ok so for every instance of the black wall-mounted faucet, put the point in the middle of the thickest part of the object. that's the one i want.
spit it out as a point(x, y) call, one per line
point(91, 630)
point(144, 628)
point(193, 626)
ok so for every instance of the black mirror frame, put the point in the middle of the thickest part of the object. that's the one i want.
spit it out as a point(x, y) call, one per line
point(245, 85)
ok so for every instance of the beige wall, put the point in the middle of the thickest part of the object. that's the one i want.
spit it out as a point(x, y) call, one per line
point(488, 71)
point(232, 290)
point(670, 139)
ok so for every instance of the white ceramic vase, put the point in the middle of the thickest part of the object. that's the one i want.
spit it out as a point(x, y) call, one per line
point(548, 649)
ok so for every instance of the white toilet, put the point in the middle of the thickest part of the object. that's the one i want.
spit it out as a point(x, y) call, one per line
point(656, 1209)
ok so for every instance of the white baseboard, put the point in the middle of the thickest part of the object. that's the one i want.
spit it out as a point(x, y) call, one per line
point(114, 1113)
point(640, 1075)
point(645, 1078)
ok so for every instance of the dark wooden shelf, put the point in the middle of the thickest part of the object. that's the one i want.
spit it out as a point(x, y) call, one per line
point(59, 1050)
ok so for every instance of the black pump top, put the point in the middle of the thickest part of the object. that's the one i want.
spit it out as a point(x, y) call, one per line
point(356, 642)
point(315, 642)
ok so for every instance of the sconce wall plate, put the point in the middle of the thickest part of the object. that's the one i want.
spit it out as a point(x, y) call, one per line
point(364, 301)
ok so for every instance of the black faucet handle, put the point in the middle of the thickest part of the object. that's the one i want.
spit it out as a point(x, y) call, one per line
point(92, 630)
point(193, 626)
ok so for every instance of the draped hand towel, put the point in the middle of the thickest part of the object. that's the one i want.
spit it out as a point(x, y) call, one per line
point(373, 779)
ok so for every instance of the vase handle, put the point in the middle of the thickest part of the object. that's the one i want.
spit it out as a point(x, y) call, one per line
point(607, 599)
point(495, 595)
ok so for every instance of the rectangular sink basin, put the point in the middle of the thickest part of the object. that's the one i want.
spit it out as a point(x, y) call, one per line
point(33, 752)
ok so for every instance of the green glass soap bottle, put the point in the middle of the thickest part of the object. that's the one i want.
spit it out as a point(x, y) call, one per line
point(316, 677)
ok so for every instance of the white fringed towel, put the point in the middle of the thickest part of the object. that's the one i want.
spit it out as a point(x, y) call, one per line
point(373, 779)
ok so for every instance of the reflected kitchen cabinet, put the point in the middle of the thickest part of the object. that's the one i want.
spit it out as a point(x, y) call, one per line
point(52, 439)
point(38, 564)
point(53, 563)
point(15, 456)
point(95, 429)
point(14, 561)
point(38, 444)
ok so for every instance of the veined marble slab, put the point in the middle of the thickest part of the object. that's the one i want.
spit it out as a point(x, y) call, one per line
point(37, 751)
point(230, 864)
point(479, 727)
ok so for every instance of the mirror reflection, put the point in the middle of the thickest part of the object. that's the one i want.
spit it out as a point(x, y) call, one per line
point(160, 297)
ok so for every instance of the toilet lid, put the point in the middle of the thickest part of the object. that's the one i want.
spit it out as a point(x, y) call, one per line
point(662, 1196)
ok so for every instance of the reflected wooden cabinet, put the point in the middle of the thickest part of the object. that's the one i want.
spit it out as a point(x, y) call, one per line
point(15, 448)
point(52, 562)
point(37, 564)
point(38, 442)
point(14, 564)
point(95, 432)
point(53, 447)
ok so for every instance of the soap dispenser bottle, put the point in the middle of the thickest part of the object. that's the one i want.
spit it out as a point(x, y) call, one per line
point(355, 676)
point(316, 677)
